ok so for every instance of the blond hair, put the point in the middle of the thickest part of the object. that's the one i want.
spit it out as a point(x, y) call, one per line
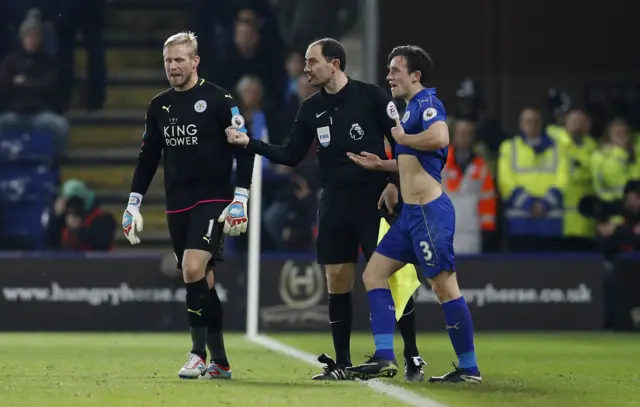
point(183, 38)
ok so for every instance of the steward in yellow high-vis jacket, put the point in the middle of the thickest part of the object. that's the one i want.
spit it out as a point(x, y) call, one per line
point(533, 172)
point(612, 165)
point(579, 231)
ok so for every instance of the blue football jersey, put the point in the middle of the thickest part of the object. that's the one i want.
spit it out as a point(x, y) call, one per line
point(422, 111)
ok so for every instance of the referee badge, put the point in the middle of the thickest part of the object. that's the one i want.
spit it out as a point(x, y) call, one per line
point(200, 106)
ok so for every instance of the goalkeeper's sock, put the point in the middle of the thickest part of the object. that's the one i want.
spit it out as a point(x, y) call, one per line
point(198, 311)
point(383, 322)
point(215, 340)
point(340, 317)
point(460, 329)
point(407, 327)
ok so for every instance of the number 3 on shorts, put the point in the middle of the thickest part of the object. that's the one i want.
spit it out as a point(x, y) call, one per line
point(426, 250)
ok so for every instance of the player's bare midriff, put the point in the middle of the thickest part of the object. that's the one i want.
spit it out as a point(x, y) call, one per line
point(418, 187)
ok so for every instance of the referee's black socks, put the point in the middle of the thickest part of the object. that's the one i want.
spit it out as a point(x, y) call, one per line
point(215, 341)
point(340, 317)
point(407, 327)
point(198, 311)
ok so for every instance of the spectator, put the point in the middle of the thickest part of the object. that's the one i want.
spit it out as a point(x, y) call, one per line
point(617, 237)
point(251, 57)
point(610, 166)
point(558, 105)
point(290, 110)
point(78, 223)
point(28, 78)
point(290, 215)
point(88, 18)
point(294, 67)
point(251, 97)
point(289, 219)
point(468, 182)
point(623, 236)
point(533, 172)
point(579, 231)
point(303, 21)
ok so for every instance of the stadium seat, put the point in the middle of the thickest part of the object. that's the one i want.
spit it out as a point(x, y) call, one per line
point(26, 146)
point(22, 180)
point(22, 223)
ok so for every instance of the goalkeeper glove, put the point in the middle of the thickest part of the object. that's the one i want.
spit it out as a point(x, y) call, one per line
point(131, 219)
point(234, 216)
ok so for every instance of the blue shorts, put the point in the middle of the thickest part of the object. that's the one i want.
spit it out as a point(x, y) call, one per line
point(423, 236)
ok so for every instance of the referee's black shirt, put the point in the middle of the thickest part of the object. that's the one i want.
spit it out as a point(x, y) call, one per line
point(352, 120)
point(187, 128)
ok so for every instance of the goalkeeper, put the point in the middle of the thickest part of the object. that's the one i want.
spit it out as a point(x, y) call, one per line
point(185, 124)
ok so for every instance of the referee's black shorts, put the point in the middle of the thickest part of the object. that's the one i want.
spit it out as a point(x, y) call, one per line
point(198, 228)
point(347, 220)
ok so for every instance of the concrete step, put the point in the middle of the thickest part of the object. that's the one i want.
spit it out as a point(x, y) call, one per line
point(122, 96)
point(122, 59)
point(131, 39)
point(148, 20)
point(109, 156)
point(148, 4)
point(132, 77)
point(110, 117)
point(110, 178)
point(99, 136)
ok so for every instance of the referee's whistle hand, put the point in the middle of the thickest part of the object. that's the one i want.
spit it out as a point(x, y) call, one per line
point(235, 136)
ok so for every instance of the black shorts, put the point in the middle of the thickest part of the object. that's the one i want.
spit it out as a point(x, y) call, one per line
point(347, 221)
point(198, 228)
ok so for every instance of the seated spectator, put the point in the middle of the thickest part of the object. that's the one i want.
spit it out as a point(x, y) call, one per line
point(286, 117)
point(295, 67)
point(28, 78)
point(622, 236)
point(251, 56)
point(289, 219)
point(78, 223)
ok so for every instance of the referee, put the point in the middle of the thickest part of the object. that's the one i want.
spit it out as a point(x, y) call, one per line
point(346, 116)
point(185, 125)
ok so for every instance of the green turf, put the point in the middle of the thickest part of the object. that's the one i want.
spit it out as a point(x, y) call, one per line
point(141, 370)
point(549, 370)
point(56, 370)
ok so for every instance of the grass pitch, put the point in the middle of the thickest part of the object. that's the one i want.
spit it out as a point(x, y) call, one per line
point(118, 370)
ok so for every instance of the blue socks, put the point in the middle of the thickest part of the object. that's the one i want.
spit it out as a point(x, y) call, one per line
point(460, 329)
point(383, 321)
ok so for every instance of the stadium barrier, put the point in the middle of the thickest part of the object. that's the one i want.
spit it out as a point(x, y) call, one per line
point(145, 293)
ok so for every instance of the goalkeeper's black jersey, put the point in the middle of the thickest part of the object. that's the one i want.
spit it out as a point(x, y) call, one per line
point(187, 130)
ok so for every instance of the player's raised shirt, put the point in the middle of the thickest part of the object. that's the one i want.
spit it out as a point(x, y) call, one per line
point(187, 129)
point(422, 111)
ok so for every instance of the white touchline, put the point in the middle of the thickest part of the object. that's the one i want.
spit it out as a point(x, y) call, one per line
point(399, 393)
